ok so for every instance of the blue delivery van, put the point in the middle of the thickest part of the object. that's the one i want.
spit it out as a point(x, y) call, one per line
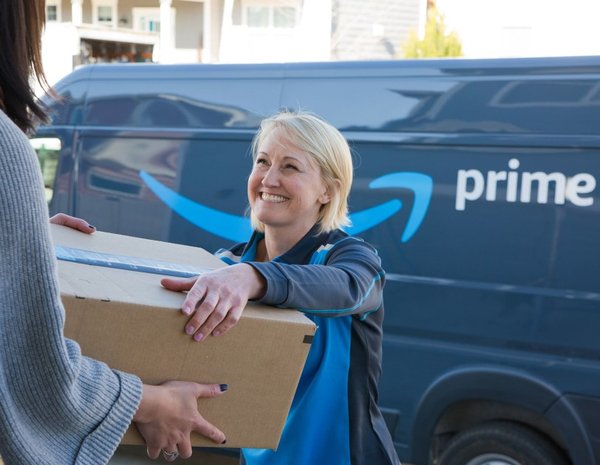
point(477, 181)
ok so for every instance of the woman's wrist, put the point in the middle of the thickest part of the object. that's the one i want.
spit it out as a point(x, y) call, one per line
point(147, 407)
point(258, 283)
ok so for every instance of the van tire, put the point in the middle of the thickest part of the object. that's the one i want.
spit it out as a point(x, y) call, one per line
point(501, 443)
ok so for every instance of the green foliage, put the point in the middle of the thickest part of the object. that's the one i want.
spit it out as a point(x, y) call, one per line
point(437, 42)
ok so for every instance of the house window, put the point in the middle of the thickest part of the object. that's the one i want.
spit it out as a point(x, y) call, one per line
point(52, 12)
point(270, 14)
point(284, 16)
point(257, 16)
point(146, 19)
point(104, 12)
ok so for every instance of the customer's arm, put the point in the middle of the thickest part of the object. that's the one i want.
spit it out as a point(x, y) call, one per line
point(74, 409)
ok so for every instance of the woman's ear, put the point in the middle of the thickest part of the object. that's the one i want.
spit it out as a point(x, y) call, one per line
point(325, 198)
point(331, 191)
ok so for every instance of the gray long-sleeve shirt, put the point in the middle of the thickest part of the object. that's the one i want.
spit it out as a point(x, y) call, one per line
point(56, 406)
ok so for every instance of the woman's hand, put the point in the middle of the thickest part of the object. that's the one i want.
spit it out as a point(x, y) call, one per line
point(169, 413)
point(72, 222)
point(216, 299)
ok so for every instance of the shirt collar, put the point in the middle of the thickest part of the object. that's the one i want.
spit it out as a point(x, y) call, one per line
point(299, 253)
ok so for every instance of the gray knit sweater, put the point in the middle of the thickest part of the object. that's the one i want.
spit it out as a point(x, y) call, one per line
point(56, 406)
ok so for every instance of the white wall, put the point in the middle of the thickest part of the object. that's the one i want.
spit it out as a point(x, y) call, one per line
point(59, 43)
point(518, 28)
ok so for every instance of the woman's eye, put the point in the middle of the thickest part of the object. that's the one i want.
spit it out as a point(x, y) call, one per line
point(261, 161)
point(291, 167)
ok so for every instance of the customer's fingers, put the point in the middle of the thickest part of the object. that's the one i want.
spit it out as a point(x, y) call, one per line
point(209, 430)
point(153, 452)
point(73, 222)
point(185, 449)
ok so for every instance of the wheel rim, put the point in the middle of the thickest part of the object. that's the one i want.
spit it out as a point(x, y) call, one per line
point(493, 459)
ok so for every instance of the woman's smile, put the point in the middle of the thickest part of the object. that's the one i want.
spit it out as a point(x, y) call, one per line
point(273, 198)
point(285, 189)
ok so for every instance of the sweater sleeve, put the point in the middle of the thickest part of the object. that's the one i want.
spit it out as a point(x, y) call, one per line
point(56, 406)
point(349, 282)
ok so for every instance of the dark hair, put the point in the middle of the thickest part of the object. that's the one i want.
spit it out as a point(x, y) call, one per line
point(21, 26)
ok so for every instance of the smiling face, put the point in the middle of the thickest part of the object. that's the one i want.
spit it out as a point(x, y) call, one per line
point(285, 188)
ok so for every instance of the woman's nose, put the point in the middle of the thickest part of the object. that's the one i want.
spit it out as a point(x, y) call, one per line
point(271, 177)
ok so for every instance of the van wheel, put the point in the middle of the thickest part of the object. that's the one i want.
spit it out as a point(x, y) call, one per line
point(501, 443)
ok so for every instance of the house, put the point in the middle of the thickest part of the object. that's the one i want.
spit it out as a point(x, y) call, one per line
point(374, 29)
point(517, 28)
point(208, 31)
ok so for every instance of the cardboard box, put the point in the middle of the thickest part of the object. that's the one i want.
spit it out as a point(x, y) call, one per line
point(126, 319)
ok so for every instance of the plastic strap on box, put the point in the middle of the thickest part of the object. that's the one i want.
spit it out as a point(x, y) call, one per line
point(124, 262)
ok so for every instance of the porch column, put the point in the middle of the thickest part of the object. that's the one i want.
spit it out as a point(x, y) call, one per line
point(167, 41)
point(315, 24)
point(76, 12)
point(207, 32)
point(226, 26)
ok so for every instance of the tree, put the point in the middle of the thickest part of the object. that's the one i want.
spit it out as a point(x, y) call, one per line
point(437, 42)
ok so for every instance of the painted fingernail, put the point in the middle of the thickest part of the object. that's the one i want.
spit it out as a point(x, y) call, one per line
point(224, 441)
point(216, 333)
point(187, 310)
point(189, 330)
point(223, 387)
point(198, 337)
point(91, 226)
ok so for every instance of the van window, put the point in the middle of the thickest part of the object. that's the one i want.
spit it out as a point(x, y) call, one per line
point(349, 103)
point(452, 104)
point(47, 150)
point(188, 104)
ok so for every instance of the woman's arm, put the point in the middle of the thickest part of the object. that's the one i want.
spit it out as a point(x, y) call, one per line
point(350, 282)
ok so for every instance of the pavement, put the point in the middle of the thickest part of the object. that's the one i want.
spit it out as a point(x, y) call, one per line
point(136, 455)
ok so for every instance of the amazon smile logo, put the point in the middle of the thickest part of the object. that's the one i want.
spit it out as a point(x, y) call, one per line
point(237, 228)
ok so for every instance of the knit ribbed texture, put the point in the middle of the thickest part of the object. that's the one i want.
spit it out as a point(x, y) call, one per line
point(56, 407)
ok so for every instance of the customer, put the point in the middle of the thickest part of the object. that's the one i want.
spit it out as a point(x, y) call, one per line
point(57, 407)
point(299, 257)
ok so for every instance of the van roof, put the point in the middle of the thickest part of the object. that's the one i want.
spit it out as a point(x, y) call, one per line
point(426, 67)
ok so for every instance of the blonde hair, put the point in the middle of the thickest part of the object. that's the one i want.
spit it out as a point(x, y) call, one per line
point(327, 148)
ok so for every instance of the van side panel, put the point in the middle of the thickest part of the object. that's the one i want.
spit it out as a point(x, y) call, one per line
point(476, 180)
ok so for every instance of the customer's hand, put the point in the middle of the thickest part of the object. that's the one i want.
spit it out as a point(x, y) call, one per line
point(216, 299)
point(169, 413)
point(73, 222)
